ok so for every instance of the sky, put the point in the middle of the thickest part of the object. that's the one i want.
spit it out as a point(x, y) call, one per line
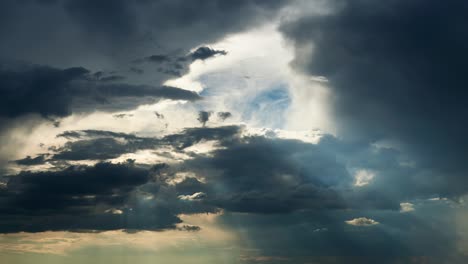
point(237, 132)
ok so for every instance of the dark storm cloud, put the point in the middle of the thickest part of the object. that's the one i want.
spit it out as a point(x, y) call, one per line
point(66, 197)
point(48, 91)
point(114, 18)
point(28, 161)
point(271, 175)
point(106, 31)
point(120, 96)
point(397, 71)
point(262, 175)
point(93, 198)
point(95, 133)
point(36, 89)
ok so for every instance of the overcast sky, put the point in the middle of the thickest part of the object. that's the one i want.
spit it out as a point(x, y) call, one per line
point(240, 132)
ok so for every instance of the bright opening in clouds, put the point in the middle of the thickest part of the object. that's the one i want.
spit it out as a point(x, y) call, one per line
point(154, 131)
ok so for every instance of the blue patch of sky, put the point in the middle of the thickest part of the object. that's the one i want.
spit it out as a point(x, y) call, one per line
point(269, 106)
point(265, 108)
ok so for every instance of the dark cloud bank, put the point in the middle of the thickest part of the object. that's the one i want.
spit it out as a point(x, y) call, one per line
point(107, 31)
point(271, 188)
point(397, 70)
point(298, 191)
point(53, 92)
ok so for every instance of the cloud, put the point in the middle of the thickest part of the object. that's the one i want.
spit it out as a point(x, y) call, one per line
point(49, 91)
point(101, 197)
point(122, 115)
point(190, 228)
point(270, 175)
point(192, 197)
point(395, 73)
point(362, 221)
point(157, 58)
point(28, 161)
point(363, 177)
point(115, 32)
point(159, 115)
point(37, 89)
point(255, 173)
point(178, 65)
point(102, 145)
point(76, 198)
point(203, 53)
point(224, 115)
point(203, 117)
point(248, 173)
point(392, 77)
point(263, 185)
point(406, 207)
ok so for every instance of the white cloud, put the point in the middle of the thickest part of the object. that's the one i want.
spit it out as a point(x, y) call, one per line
point(437, 199)
point(193, 197)
point(363, 177)
point(309, 136)
point(406, 207)
point(362, 221)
